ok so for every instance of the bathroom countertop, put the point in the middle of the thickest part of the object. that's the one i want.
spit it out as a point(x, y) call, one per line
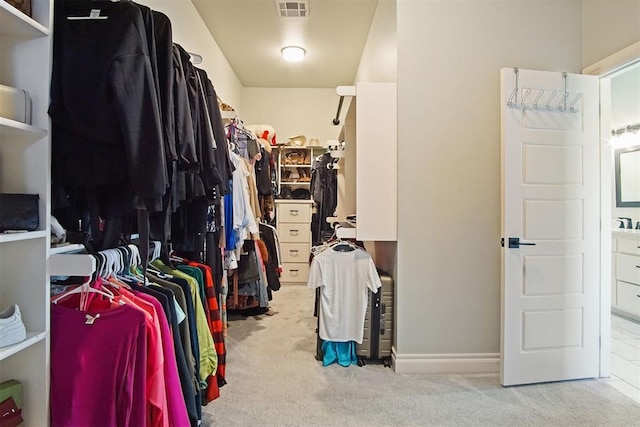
point(624, 232)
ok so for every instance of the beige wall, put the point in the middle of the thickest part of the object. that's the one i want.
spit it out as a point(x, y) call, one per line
point(449, 57)
point(608, 26)
point(190, 32)
point(379, 61)
point(293, 111)
point(625, 98)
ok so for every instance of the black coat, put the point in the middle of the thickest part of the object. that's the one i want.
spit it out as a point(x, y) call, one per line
point(106, 127)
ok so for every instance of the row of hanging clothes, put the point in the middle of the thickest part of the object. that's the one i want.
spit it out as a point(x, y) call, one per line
point(139, 147)
point(254, 143)
point(136, 349)
point(251, 255)
point(138, 142)
point(324, 191)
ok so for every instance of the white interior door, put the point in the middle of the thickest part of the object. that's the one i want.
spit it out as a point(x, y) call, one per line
point(551, 202)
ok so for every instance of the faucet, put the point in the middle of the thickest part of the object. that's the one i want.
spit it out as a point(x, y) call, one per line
point(625, 222)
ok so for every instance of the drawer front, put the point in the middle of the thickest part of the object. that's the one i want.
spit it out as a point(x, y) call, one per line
point(629, 246)
point(628, 268)
point(290, 232)
point(294, 272)
point(628, 297)
point(294, 252)
point(294, 212)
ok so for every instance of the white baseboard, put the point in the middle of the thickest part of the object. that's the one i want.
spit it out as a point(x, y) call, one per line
point(462, 363)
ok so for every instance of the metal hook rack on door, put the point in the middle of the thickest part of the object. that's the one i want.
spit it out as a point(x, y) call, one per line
point(539, 103)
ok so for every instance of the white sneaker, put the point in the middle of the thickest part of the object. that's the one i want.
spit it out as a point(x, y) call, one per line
point(12, 329)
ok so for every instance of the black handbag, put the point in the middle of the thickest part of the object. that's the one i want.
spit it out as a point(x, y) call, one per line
point(19, 212)
point(248, 268)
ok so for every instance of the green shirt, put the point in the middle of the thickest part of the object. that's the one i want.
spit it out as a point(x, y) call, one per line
point(208, 356)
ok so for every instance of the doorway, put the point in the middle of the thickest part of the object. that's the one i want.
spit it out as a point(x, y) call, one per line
point(620, 107)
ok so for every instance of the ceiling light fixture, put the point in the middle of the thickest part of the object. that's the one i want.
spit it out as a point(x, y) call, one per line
point(293, 53)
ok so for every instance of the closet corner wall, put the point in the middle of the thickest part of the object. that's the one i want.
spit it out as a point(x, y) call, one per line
point(25, 63)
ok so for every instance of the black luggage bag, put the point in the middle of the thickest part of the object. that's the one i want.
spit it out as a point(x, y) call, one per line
point(378, 325)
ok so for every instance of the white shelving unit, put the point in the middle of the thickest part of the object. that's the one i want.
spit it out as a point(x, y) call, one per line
point(25, 63)
point(294, 165)
point(367, 186)
point(16, 237)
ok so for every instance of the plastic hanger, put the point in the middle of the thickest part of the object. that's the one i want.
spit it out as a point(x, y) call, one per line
point(84, 289)
point(175, 257)
point(343, 246)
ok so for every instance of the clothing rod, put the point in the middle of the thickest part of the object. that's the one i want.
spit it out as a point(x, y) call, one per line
point(629, 128)
point(336, 121)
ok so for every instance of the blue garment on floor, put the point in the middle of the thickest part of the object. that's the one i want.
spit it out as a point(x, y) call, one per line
point(344, 353)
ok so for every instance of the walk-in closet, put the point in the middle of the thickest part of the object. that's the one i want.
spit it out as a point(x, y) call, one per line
point(313, 212)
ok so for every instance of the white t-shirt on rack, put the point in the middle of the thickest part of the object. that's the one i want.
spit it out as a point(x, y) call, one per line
point(344, 279)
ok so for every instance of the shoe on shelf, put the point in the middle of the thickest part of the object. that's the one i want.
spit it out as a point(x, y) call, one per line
point(12, 330)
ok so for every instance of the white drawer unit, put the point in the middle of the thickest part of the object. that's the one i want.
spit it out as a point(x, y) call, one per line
point(294, 212)
point(628, 297)
point(626, 268)
point(294, 252)
point(295, 273)
point(294, 232)
point(629, 246)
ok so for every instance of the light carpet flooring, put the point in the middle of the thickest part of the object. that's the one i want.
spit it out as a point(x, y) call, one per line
point(274, 380)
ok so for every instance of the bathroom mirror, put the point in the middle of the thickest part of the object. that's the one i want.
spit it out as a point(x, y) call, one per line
point(628, 177)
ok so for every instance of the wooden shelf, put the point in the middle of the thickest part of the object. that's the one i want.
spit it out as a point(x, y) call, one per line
point(32, 338)
point(72, 265)
point(228, 115)
point(13, 129)
point(15, 237)
point(345, 230)
point(65, 249)
point(290, 165)
point(302, 147)
point(15, 23)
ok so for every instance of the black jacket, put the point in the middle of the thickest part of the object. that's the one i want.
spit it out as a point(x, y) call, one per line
point(104, 106)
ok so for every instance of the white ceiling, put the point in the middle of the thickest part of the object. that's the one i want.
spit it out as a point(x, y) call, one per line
point(251, 33)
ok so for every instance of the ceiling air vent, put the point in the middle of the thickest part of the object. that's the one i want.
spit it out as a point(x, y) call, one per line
point(293, 9)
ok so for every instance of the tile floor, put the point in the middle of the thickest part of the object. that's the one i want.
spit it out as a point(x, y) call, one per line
point(625, 357)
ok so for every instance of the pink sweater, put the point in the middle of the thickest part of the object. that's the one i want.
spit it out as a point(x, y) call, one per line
point(98, 367)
